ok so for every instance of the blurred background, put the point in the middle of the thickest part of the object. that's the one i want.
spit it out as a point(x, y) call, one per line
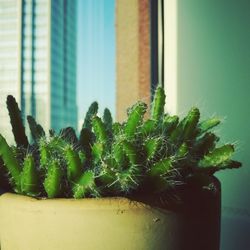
point(58, 56)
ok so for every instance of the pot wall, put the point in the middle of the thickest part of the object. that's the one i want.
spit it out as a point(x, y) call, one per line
point(108, 223)
point(27, 223)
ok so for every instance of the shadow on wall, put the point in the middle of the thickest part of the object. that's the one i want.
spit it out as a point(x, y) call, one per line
point(239, 230)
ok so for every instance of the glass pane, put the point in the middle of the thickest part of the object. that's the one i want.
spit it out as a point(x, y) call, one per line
point(96, 54)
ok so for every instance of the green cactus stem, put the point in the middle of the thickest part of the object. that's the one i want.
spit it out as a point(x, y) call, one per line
point(127, 174)
point(116, 129)
point(16, 122)
point(208, 124)
point(52, 132)
point(86, 140)
point(135, 118)
point(45, 154)
point(204, 145)
point(152, 145)
point(148, 127)
point(69, 135)
point(53, 180)
point(36, 129)
point(82, 157)
point(126, 180)
point(97, 151)
point(217, 157)
point(92, 111)
point(74, 165)
point(4, 178)
point(99, 130)
point(155, 181)
point(108, 121)
point(161, 167)
point(186, 129)
point(10, 162)
point(130, 152)
point(30, 177)
point(177, 133)
point(85, 185)
point(230, 165)
point(57, 143)
point(107, 175)
point(139, 156)
point(169, 124)
point(86, 136)
point(182, 151)
point(191, 122)
point(158, 104)
point(118, 153)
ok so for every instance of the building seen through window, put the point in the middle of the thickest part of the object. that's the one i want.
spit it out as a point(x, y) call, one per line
point(38, 61)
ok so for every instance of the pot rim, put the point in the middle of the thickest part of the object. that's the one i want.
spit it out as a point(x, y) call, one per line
point(84, 203)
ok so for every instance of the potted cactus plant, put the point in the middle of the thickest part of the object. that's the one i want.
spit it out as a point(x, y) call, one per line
point(143, 184)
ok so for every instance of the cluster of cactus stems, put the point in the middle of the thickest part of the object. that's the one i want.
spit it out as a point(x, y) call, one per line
point(110, 158)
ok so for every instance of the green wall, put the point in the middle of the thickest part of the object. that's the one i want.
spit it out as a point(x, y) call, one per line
point(214, 73)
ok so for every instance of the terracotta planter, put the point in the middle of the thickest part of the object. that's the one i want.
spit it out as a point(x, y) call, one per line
point(108, 223)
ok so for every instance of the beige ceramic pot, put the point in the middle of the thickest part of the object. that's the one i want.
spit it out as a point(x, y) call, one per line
point(105, 224)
